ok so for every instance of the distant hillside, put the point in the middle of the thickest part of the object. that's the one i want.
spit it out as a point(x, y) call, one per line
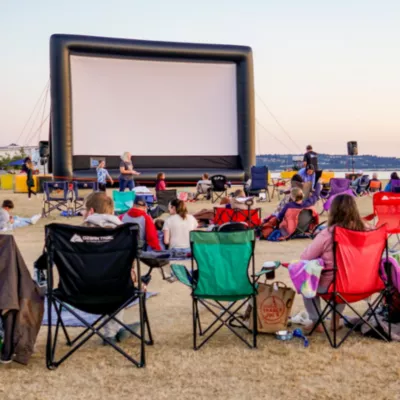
point(277, 162)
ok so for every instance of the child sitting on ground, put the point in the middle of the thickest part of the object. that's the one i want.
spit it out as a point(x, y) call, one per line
point(159, 223)
point(160, 182)
point(8, 222)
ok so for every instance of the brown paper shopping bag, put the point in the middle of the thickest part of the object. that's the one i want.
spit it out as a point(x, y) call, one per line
point(274, 304)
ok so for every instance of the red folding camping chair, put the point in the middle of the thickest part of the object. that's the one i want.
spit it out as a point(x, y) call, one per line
point(387, 211)
point(356, 277)
point(252, 217)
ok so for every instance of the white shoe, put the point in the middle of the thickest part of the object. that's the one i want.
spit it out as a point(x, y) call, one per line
point(35, 219)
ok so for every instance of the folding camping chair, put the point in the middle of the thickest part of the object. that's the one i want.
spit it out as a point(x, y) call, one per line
point(305, 222)
point(222, 260)
point(56, 196)
point(232, 227)
point(357, 259)
point(336, 186)
point(94, 267)
point(219, 187)
point(386, 208)
point(78, 198)
point(251, 216)
point(361, 188)
point(123, 201)
point(164, 197)
point(259, 182)
point(374, 186)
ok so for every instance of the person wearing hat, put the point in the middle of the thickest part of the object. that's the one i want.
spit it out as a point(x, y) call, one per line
point(308, 174)
point(138, 214)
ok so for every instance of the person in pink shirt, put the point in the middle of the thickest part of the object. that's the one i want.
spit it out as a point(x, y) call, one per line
point(343, 213)
point(160, 182)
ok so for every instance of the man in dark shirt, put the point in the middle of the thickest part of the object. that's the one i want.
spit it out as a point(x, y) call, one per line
point(310, 158)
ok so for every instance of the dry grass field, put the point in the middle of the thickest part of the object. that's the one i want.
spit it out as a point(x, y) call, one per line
point(223, 369)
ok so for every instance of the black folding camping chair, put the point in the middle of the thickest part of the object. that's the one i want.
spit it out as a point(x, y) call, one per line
point(94, 267)
point(164, 197)
point(219, 187)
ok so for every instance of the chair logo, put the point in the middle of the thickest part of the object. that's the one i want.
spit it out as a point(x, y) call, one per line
point(76, 239)
point(90, 239)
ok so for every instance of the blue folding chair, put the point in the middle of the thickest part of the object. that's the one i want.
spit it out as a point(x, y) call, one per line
point(78, 198)
point(259, 182)
point(56, 196)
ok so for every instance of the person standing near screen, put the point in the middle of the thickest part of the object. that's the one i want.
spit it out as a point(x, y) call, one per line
point(310, 158)
point(126, 173)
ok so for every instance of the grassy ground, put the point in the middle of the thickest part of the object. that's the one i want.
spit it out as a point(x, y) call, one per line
point(224, 369)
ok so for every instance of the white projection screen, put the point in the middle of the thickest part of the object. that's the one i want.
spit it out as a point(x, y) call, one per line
point(152, 107)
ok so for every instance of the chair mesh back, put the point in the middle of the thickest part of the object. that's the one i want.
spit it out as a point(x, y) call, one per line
point(259, 176)
point(358, 257)
point(94, 264)
point(123, 200)
point(56, 190)
point(387, 210)
point(164, 197)
point(305, 219)
point(222, 260)
point(233, 227)
point(219, 182)
point(93, 186)
point(339, 185)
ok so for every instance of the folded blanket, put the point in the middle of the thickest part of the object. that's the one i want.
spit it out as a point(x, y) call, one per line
point(305, 276)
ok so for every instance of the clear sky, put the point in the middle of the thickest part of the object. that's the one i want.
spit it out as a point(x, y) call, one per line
point(329, 70)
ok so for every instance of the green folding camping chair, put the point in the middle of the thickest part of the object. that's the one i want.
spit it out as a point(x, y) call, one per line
point(123, 201)
point(221, 281)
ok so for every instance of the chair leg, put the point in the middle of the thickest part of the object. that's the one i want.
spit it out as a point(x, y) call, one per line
point(194, 310)
point(255, 321)
point(150, 342)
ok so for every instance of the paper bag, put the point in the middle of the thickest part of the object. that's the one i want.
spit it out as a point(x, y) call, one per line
point(274, 305)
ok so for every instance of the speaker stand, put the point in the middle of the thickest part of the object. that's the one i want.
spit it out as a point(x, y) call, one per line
point(352, 163)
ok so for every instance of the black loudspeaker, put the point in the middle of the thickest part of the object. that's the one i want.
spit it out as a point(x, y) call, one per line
point(44, 150)
point(352, 149)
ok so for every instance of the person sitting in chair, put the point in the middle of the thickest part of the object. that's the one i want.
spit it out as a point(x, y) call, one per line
point(374, 185)
point(138, 214)
point(297, 200)
point(393, 177)
point(203, 187)
point(343, 213)
point(99, 212)
point(177, 227)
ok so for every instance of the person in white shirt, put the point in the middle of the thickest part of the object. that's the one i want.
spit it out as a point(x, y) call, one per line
point(177, 227)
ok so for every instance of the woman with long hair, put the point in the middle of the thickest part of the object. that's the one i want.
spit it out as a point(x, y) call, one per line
point(343, 213)
point(29, 179)
point(178, 226)
point(126, 172)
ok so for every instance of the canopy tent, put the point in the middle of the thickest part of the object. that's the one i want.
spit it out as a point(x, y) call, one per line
point(16, 163)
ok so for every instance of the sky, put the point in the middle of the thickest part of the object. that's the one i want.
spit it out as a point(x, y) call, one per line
point(326, 72)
